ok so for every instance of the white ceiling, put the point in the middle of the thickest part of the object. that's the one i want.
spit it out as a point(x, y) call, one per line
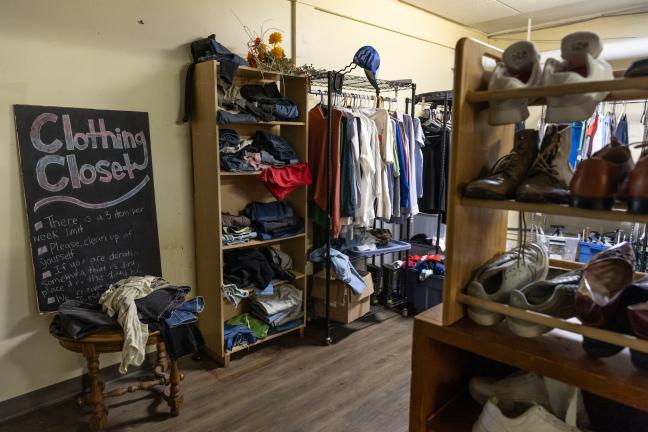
point(495, 16)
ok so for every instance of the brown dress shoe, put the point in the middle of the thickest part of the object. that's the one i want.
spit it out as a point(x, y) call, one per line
point(599, 179)
point(636, 192)
point(604, 278)
point(509, 171)
point(550, 174)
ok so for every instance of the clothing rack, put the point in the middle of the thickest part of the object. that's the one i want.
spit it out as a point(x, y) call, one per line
point(444, 98)
point(335, 82)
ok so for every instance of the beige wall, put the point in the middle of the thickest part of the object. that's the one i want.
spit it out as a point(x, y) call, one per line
point(95, 54)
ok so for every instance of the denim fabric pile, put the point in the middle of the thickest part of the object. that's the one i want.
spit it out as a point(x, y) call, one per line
point(274, 306)
point(165, 309)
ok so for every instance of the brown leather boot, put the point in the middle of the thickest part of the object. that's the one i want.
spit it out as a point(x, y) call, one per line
point(550, 174)
point(599, 179)
point(637, 187)
point(509, 171)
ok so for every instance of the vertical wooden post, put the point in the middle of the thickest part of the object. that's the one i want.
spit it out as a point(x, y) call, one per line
point(175, 395)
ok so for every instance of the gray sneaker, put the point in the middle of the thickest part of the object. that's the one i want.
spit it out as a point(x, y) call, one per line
point(553, 297)
point(496, 279)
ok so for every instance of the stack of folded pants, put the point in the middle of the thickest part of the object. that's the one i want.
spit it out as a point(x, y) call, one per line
point(236, 229)
point(273, 220)
point(283, 306)
point(266, 99)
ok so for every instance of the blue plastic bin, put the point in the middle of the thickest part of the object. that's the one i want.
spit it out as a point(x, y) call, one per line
point(587, 250)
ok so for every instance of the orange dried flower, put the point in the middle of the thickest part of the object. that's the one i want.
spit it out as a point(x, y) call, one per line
point(277, 52)
point(257, 41)
point(275, 38)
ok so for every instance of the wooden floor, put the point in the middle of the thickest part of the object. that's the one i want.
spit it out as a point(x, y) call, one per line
point(360, 384)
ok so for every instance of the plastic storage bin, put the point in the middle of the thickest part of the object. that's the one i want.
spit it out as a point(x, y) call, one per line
point(422, 295)
point(587, 250)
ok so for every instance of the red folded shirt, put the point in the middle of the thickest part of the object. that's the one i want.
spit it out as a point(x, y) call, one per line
point(282, 181)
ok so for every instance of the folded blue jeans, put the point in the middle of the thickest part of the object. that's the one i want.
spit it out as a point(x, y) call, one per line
point(186, 312)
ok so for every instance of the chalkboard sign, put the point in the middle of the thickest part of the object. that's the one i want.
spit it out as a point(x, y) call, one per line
point(88, 184)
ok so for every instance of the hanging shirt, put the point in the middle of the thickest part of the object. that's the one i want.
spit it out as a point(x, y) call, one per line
point(386, 142)
point(402, 160)
point(621, 131)
point(365, 211)
point(419, 139)
point(317, 144)
point(412, 147)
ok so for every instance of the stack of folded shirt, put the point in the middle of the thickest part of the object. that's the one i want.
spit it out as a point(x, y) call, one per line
point(273, 220)
point(284, 306)
point(236, 229)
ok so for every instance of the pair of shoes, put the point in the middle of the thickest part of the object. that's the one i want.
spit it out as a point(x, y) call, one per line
point(520, 68)
point(529, 175)
point(518, 279)
point(608, 175)
point(608, 298)
point(525, 401)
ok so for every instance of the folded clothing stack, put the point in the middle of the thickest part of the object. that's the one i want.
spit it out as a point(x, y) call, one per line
point(282, 307)
point(273, 220)
point(256, 268)
point(236, 229)
point(253, 103)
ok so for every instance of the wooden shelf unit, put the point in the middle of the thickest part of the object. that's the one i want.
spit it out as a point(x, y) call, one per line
point(448, 348)
point(217, 191)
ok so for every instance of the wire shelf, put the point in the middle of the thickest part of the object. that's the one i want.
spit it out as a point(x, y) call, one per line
point(361, 83)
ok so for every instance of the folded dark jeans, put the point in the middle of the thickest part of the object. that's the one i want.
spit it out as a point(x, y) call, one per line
point(289, 231)
point(280, 225)
point(228, 138)
point(268, 99)
point(234, 163)
point(160, 303)
point(276, 145)
point(268, 212)
point(238, 334)
point(77, 320)
point(226, 117)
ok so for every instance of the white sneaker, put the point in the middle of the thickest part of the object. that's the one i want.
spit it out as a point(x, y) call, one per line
point(519, 68)
point(497, 278)
point(562, 400)
point(519, 386)
point(518, 417)
point(580, 63)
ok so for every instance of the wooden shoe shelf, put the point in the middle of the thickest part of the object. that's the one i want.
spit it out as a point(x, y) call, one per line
point(448, 348)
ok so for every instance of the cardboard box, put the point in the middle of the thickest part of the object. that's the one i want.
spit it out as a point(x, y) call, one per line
point(345, 305)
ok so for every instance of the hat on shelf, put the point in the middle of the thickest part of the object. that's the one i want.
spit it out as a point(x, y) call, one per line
point(367, 58)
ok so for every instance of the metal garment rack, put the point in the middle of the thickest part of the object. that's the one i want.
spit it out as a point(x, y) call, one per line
point(444, 98)
point(335, 82)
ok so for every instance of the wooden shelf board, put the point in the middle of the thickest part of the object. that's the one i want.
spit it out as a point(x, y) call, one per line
point(631, 88)
point(250, 72)
point(260, 341)
point(618, 213)
point(239, 173)
point(255, 243)
point(457, 415)
point(557, 354)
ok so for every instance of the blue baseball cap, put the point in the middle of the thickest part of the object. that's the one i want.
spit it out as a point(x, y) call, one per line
point(367, 58)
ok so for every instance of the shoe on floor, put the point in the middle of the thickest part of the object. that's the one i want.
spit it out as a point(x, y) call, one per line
point(519, 68)
point(509, 171)
point(549, 177)
point(598, 180)
point(553, 297)
point(505, 416)
point(580, 64)
point(496, 279)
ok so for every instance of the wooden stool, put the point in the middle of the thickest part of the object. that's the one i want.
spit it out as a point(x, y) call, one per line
point(112, 341)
